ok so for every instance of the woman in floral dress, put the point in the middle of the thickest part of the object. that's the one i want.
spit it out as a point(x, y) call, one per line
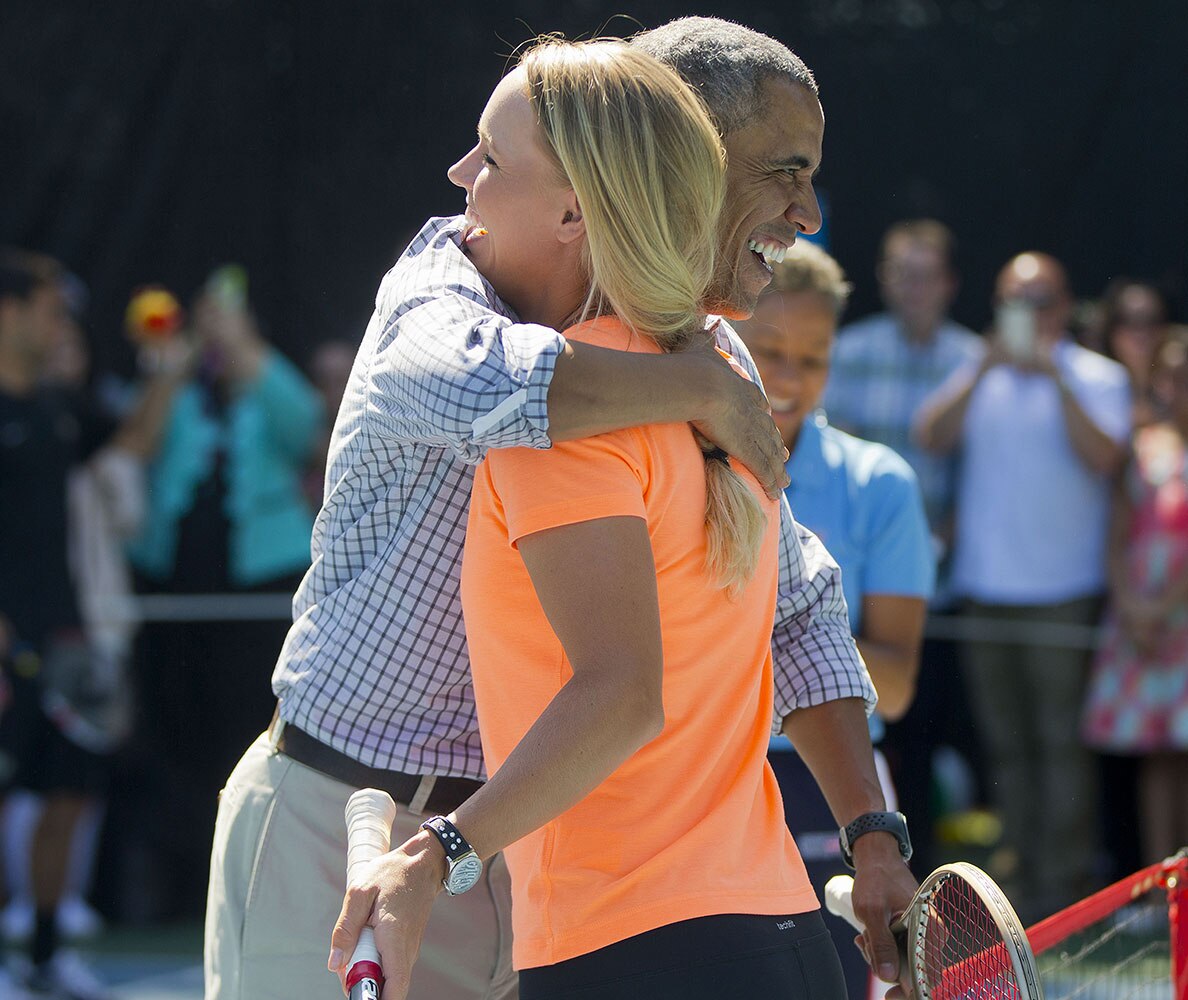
point(1138, 694)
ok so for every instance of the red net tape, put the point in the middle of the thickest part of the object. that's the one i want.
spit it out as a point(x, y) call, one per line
point(1076, 918)
point(1126, 942)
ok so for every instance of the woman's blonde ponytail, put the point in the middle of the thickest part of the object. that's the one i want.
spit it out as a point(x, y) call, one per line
point(735, 523)
point(648, 168)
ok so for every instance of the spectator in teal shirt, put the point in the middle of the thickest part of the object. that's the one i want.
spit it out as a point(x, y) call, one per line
point(243, 426)
point(226, 514)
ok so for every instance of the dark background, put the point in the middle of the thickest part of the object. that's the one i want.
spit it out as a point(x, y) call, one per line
point(148, 142)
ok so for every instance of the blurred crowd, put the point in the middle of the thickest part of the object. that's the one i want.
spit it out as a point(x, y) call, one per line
point(193, 478)
point(1015, 554)
point(1048, 455)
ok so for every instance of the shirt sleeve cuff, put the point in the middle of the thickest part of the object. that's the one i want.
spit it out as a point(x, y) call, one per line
point(825, 665)
point(531, 359)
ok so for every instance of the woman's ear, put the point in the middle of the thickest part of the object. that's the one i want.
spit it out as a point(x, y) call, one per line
point(572, 226)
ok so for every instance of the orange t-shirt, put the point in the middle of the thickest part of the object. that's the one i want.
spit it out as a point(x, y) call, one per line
point(693, 823)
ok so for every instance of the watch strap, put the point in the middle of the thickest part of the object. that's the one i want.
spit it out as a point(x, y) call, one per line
point(451, 839)
point(894, 823)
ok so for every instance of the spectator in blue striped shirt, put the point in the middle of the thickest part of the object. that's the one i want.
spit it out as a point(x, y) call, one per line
point(883, 367)
point(886, 365)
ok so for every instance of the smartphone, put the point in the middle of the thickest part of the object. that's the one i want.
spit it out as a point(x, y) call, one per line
point(1015, 322)
point(228, 284)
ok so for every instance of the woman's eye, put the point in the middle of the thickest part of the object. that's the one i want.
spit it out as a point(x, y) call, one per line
point(488, 161)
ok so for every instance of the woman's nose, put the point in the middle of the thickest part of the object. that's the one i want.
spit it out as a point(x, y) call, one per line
point(464, 171)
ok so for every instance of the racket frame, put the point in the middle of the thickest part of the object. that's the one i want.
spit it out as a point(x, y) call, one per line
point(915, 920)
point(911, 927)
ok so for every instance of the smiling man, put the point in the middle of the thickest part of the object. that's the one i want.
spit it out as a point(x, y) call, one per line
point(373, 682)
point(770, 199)
point(764, 101)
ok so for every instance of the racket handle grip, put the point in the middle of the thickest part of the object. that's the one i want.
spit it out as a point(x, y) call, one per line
point(839, 891)
point(369, 815)
point(365, 977)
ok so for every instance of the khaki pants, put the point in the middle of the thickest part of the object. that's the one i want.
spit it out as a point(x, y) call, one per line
point(277, 878)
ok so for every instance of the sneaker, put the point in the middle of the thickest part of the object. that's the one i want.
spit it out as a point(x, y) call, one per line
point(76, 920)
point(16, 921)
point(68, 977)
point(10, 987)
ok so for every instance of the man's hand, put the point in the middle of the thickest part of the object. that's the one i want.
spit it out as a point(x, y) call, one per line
point(1041, 361)
point(395, 897)
point(883, 887)
point(740, 421)
point(996, 353)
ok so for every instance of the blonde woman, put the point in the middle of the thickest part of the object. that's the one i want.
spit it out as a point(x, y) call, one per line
point(527, 241)
point(619, 591)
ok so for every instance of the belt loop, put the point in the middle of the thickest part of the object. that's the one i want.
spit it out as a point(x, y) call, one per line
point(274, 736)
point(418, 802)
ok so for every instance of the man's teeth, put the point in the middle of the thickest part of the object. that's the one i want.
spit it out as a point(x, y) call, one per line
point(773, 253)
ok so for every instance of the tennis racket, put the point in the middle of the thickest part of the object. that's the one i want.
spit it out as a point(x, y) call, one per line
point(369, 815)
point(959, 935)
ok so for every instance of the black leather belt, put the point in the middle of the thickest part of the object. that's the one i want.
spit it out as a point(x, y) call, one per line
point(447, 793)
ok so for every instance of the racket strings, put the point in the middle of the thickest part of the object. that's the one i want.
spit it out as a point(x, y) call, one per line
point(958, 948)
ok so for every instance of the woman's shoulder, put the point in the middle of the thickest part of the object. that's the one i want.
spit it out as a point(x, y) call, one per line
point(613, 333)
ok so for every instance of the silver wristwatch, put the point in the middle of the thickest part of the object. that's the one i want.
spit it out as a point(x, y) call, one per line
point(463, 866)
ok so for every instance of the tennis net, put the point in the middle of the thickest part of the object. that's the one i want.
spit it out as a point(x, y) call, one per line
point(1127, 942)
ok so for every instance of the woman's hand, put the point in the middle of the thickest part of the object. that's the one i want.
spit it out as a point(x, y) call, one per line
point(395, 897)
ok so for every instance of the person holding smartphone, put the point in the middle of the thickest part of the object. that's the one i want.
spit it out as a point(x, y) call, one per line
point(1043, 425)
point(225, 513)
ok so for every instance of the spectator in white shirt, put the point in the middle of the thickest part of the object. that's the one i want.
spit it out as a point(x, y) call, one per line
point(1043, 425)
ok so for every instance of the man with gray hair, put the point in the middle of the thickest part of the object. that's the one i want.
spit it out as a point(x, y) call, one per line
point(764, 101)
point(407, 722)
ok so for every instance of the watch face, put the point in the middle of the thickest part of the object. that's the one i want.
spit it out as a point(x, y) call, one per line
point(464, 873)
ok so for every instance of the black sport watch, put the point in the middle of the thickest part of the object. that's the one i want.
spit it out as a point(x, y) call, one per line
point(463, 865)
point(894, 823)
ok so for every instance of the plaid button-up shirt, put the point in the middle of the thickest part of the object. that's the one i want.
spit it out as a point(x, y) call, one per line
point(375, 664)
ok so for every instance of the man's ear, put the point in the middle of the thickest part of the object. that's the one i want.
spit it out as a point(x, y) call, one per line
point(572, 226)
